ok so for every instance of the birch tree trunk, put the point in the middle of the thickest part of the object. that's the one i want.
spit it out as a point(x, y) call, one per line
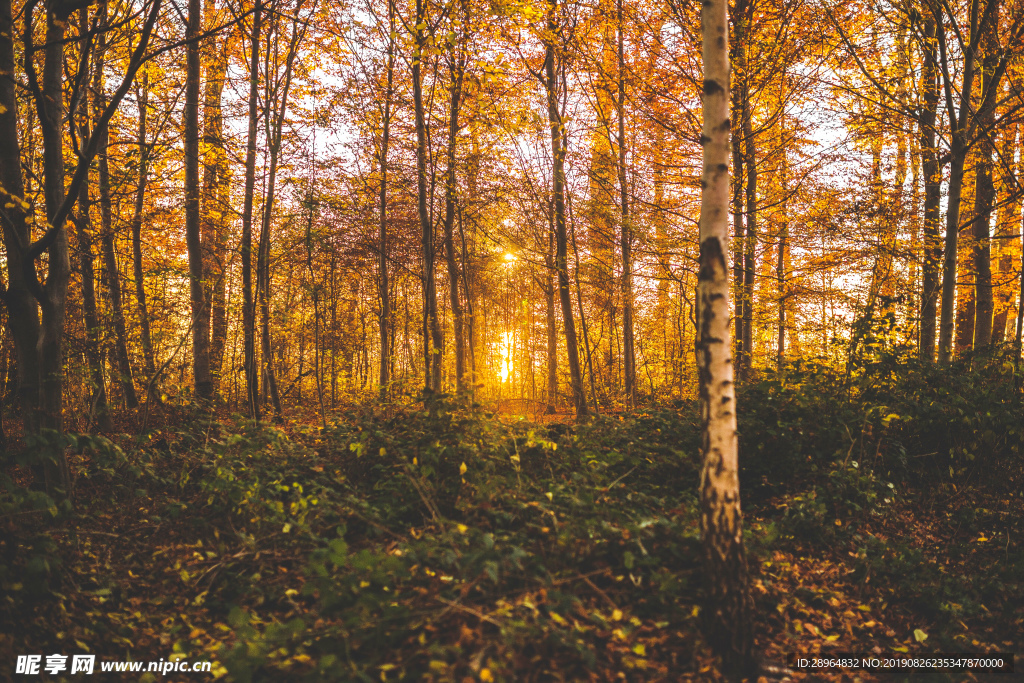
point(728, 612)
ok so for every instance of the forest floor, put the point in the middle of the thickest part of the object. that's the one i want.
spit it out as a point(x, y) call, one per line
point(462, 546)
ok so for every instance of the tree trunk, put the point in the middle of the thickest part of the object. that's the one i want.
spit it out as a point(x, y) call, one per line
point(932, 180)
point(750, 246)
point(274, 128)
point(200, 319)
point(93, 353)
point(248, 304)
point(628, 353)
point(22, 308)
point(738, 59)
point(1008, 218)
point(457, 72)
point(140, 197)
point(782, 265)
point(54, 472)
point(214, 201)
point(113, 276)
point(433, 341)
point(958, 125)
point(383, 292)
point(552, 327)
point(558, 193)
point(984, 195)
point(728, 612)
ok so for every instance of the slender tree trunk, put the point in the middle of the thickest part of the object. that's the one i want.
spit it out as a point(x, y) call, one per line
point(273, 131)
point(984, 195)
point(382, 279)
point(248, 304)
point(729, 610)
point(558, 193)
point(433, 341)
point(140, 198)
point(552, 325)
point(782, 265)
point(213, 207)
point(738, 58)
point(457, 72)
point(113, 276)
point(750, 247)
point(932, 180)
point(193, 239)
point(628, 353)
point(1007, 224)
point(93, 353)
point(958, 125)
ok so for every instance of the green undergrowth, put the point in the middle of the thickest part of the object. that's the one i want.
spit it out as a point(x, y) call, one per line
point(440, 541)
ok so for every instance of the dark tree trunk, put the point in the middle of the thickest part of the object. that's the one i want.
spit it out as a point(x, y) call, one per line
point(558, 194)
point(274, 129)
point(628, 353)
point(193, 239)
point(932, 180)
point(214, 202)
point(248, 303)
point(93, 352)
point(552, 326)
point(985, 194)
point(750, 247)
point(113, 276)
point(382, 291)
point(137, 216)
point(433, 341)
point(457, 71)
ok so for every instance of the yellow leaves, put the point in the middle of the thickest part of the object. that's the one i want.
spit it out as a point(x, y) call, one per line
point(486, 676)
point(463, 469)
point(617, 615)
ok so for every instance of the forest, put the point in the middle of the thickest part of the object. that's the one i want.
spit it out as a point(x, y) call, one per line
point(440, 340)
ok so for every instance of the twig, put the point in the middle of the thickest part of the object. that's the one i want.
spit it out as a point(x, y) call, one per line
point(612, 485)
point(469, 610)
point(559, 582)
point(600, 592)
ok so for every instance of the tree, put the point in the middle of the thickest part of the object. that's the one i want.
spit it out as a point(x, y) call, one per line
point(201, 373)
point(551, 35)
point(729, 609)
point(37, 309)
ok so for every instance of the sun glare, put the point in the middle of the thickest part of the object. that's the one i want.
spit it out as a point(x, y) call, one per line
point(506, 356)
